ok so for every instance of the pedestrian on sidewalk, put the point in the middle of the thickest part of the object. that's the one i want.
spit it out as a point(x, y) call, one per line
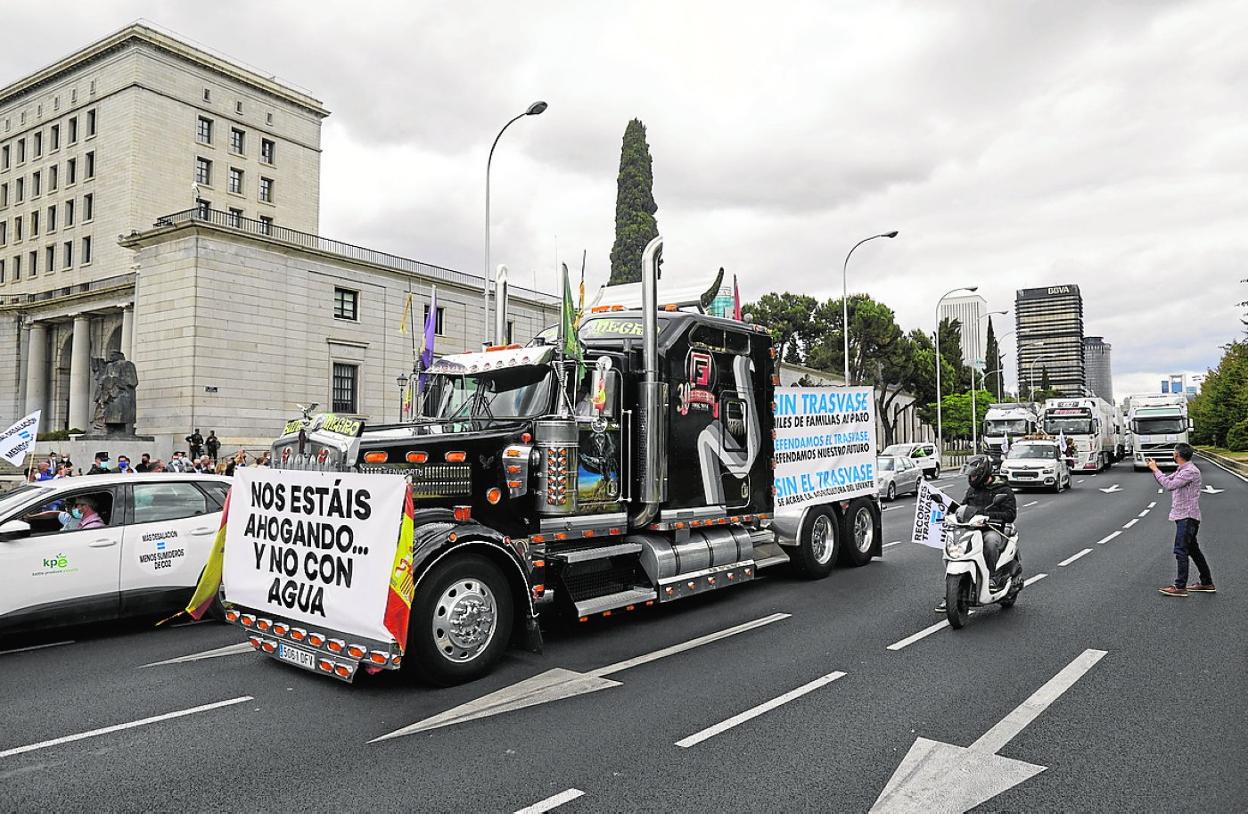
point(212, 444)
point(1184, 486)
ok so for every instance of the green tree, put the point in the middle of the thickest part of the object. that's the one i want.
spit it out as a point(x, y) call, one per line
point(956, 413)
point(788, 318)
point(635, 224)
point(1222, 402)
point(994, 382)
point(951, 350)
point(922, 381)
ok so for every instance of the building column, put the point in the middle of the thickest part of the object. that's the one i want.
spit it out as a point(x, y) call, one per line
point(37, 368)
point(127, 332)
point(80, 375)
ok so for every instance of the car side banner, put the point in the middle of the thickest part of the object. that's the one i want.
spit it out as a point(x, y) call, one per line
point(824, 447)
point(315, 547)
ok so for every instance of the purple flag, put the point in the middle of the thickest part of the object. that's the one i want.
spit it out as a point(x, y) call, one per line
point(427, 340)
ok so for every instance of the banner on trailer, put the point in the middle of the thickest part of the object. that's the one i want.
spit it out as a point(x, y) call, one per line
point(314, 547)
point(929, 527)
point(825, 445)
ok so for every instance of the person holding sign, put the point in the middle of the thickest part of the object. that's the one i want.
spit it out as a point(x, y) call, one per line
point(982, 490)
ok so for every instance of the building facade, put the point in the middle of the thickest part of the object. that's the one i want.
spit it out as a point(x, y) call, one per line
point(969, 311)
point(1049, 335)
point(101, 143)
point(1099, 371)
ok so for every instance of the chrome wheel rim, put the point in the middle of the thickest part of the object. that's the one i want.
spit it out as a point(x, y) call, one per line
point(821, 539)
point(892, 491)
point(465, 619)
point(864, 530)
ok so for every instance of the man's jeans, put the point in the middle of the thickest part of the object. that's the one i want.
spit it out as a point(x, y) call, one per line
point(1185, 546)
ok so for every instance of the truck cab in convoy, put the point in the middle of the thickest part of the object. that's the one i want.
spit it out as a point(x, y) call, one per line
point(1088, 422)
point(1157, 423)
point(1008, 421)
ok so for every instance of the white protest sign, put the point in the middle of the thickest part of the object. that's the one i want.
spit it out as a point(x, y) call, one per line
point(314, 547)
point(929, 527)
point(18, 440)
point(825, 445)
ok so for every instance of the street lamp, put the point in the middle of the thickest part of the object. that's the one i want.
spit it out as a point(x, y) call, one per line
point(974, 393)
point(535, 109)
point(989, 373)
point(401, 381)
point(1031, 370)
point(845, 296)
point(940, 430)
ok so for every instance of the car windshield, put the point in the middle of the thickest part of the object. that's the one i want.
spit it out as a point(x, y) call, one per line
point(1032, 451)
point(1158, 426)
point(19, 496)
point(1000, 426)
point(520, 392)
point(885, 464)
point(902, 450)
point(1069, 426)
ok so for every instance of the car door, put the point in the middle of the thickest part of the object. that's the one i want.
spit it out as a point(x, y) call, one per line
point(171, 530)
point(910, 475)
point(60, 575)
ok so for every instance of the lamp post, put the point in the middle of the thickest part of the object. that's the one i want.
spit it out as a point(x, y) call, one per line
point(940, 430)
point(845, 296)
point(1031, 370)
point(974, 391)
point(989, 373)
point(534, 109)
point(401, 381)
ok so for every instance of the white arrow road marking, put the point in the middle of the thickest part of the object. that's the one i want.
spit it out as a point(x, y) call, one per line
point(106, 730)
point(554, 801)
point(1105, 540)
point(937, 776)
point(1209, 490)
point(228, 650)
point(559, 683)
point(1069, 560)
point(1130, 522)
point(34, 647)
point(754, 712)
point(1111, 489)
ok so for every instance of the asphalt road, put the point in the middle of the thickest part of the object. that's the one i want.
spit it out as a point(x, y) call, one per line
point(809, 709)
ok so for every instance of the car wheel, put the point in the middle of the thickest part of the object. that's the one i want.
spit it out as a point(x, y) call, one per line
point(858, 533)
point(460, 622)
point(936, 472)
point(892, 491)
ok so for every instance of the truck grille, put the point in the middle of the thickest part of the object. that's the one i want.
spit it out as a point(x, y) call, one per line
point(441, 480)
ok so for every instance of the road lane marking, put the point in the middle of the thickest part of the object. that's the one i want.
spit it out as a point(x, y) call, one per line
point(636, 661)
point(1069, 560)
point(554, 801)
point(1131, 522)
point(1032, 503)
point(893, 543)
point(1143, 513)
point(119, 727)
point(1226, 469)
point(889, 508)
point(914, 637)
point(995, 739)
point(754, 712)
point(228, 650)
point(34, 647)
point(1105, 540)
point(1036, 578)
point(1081, 480)
point(1159, 491)
point(1152, 504)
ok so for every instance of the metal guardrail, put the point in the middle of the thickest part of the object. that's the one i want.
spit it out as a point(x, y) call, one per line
point(267, 229)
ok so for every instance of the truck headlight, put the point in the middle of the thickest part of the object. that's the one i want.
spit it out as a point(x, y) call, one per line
point(957, 546)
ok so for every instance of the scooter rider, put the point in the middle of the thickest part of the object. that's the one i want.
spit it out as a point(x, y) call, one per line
point(981, 494)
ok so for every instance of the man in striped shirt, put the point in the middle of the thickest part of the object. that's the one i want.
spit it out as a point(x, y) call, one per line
point(1184, 487)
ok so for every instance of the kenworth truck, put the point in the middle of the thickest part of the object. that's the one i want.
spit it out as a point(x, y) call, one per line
point(664, 463)
point(1158, 423)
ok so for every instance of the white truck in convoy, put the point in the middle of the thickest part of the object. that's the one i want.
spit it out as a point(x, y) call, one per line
point(1089, 423)
point(1157, 424)
point(1011, 420)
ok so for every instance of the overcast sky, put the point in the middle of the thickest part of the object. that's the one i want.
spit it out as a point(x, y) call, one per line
point(1013, 144)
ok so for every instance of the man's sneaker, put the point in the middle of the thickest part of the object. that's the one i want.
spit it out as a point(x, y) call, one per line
point(1170, 590)
point(941, 607)
point(1202, 588)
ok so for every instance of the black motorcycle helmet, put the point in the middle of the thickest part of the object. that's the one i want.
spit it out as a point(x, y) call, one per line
point(978, 471)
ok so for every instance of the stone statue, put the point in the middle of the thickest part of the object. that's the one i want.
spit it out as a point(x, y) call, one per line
point(115, 382)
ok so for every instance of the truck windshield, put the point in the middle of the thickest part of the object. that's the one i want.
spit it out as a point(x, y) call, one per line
point(1032, 451)
point(521, 392)
point(1158, 426)
point(1000, 426)
point(1069, 426)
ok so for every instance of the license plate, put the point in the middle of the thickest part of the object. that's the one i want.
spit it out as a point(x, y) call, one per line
point(296, 656)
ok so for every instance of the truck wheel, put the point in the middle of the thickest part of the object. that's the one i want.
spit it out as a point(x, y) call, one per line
point(461, 621)
point(858, 533)
point(818, 544)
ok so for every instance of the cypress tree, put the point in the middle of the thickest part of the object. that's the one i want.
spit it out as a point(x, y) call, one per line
point(992, 362)
point(635, 225)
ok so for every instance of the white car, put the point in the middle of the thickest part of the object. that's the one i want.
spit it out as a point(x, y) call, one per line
point(921, 455)
point(143, 555)
point(1036, 463)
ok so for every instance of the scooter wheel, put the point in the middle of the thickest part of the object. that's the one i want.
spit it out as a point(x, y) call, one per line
point(957, 599)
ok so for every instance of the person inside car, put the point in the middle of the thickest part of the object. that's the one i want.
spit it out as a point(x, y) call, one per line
point(87, 513)
point(982, 490)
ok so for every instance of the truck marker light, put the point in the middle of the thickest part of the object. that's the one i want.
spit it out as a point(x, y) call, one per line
point(376, 457)
point(455, 457)
point(736, 519)
point(396, 660)
point(514, 484)
point(630, 607)
point(589, 532)
point(298, 634)
point(692, 584)
point(247, 619)
point(680, 524)
point(268, 646)
point(232, 616)
point(378, 657)
point(561, 535)
point(452, 537)
point(264, 624)
point(336, 645)
point(606, 614)
point(493, 495)
point(747, 571)
point(721, 521)
point(538, 538)
point(711, 580)
point(669, 590)
point(463, 513)
point(539, 563)
point(343, 671)
point(526, 438)
point(615, 531)
point(513, 469)
point(254, 641)
point(539, 589)
point(417, 457)
point(731, 576)
point(356, 651)
point(316, 639)
point(583, 619)
point(326, 665)
point(671, 306)
point(649, 602)
point(280, 629)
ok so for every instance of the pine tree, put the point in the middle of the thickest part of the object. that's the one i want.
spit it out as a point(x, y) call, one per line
point(992, 363)
point(635, 225)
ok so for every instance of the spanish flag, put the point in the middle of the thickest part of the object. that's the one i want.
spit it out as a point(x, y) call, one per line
point(210, 580)
point(402, 579)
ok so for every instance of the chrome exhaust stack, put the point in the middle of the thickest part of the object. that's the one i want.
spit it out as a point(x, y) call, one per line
point(500, 305)
point(652, 423)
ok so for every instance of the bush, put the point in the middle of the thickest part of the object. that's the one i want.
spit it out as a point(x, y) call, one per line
point(58, 435)
point(1237, 437)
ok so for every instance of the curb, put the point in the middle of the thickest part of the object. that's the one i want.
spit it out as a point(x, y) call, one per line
point(1236, 468)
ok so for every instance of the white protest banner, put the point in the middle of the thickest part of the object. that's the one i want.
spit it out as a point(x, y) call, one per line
point(825, 445)
point(314, 547)
point(18, 440)
point(929, 528)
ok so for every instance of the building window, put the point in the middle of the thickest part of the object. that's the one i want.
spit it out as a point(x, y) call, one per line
point(36, 184)
point(267, 149)
point(52, 218)
point(511, 331)
point(17, 267)
point(67, 253)
point(34, 264)
point(203, 131)
point(4, 195)
point(21, 151)
point(236, 181)
point(205, 208)
point(52, 173)
point(34, 223)
point(50, 263)
point(235, 219)
point(345, 387)
point(1, 272)
point(90, 123)
point(37, 144)
point(266, 225)
point(266, 190)
point(17, 228)
point(238, 107)
point(71, 171)
point(55, 137)
point(73, 130)
point(203, 172)
point(69, 212)
point(20, 190)
point(90, 173)
point(5, 157)
point(346, 304)
point(86, 250)
point(207, 95)
point(4, 232)
point(437, 323)
point(88, 207)
point(238, 140)
point(268, 118)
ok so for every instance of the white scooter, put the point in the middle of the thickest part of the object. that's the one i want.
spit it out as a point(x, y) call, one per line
point(968, 582)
